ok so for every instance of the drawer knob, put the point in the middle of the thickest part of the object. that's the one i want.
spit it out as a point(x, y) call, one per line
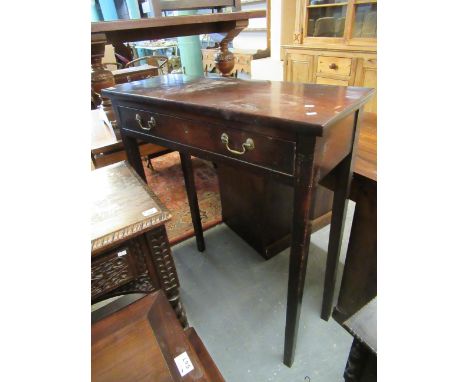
point(151, 122)
point(333, 66)
point(247, 145)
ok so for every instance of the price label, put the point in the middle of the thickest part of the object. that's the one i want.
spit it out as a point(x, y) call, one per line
point(183, 364)
point(149, 212)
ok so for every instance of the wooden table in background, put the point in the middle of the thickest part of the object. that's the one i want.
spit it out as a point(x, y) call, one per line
point(140, 341)
point(135, 73)
point(359, 281)
point(296, 133)
point(362, 360)
point(130, 251)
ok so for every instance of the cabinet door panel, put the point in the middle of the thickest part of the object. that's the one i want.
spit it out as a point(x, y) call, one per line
point(299, 68)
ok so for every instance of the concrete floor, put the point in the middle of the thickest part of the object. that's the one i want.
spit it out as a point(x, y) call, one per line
point(236, 302)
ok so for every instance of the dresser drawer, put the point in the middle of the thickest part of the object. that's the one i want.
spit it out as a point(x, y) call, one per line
point(334, 65)
point(240, 145)
point(111, 270)
point(331, 81)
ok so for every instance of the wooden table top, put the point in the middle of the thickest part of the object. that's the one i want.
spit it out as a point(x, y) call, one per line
point(140, 343)
point(296, 107)
point(363, 324)
point(122, 206)
point(366, 156)
point(140, 25)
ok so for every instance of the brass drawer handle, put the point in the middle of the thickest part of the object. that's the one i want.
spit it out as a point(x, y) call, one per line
point(247, 145)
point(333, 66)
point(151, 122)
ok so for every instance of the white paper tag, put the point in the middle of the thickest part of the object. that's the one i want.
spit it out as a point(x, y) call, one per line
point(149, 212)
point(183, 363)
point(121, 253)
point(146, 7)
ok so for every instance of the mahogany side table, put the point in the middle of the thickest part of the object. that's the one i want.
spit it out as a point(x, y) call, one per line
point(130, 251)
point(142, 341)
point(296, 133)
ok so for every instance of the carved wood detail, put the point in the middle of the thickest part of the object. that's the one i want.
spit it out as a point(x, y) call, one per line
point(165, 268)
point(109, 274)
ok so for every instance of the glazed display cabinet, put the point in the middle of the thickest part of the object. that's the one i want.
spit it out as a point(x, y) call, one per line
point(335, 43)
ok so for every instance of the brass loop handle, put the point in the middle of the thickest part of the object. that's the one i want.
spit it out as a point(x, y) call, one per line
point(247, 145)
point(151, 122)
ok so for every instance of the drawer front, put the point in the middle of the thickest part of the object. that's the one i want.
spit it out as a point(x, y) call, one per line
point(234, 143)
point(331, 81)
point(111, 270)
point(334, 65)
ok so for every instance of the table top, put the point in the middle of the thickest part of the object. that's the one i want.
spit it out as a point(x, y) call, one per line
point(296, 107)
point(363, 325)
point(122, 206)
point(366, 155)
point(140, 342)
point(171, 21)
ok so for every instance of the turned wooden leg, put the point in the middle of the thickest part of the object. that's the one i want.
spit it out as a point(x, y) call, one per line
point(303, 193)
point(133, 155)
point(187, 169)
point(344, 172)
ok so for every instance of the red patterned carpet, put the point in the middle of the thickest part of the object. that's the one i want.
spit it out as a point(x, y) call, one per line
point(168, 184)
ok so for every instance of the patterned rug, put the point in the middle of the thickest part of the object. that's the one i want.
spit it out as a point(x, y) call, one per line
point(167, 182)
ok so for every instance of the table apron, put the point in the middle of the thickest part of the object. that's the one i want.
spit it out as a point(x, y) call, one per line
point(208, 155)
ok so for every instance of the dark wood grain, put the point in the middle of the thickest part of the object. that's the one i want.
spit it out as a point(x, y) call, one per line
point(119, 204)
point(303, 192)
point(273, 112)
point(174, 21)
point(359, 280)
point(186, 163)
point(154, 28)
point(139, 343)
point(130, 251)
point(344, 175)
point(295, 107)
point(210, 367)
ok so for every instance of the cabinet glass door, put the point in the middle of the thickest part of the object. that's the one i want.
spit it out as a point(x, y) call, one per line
point(365, 19)
point(326, 18)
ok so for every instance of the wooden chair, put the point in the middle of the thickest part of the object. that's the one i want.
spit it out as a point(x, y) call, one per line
point(160, 62)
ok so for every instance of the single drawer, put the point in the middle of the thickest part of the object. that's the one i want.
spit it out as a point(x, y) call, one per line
point(111, 270)
point(240, 145)
point(334, 65)
point(331, 81)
